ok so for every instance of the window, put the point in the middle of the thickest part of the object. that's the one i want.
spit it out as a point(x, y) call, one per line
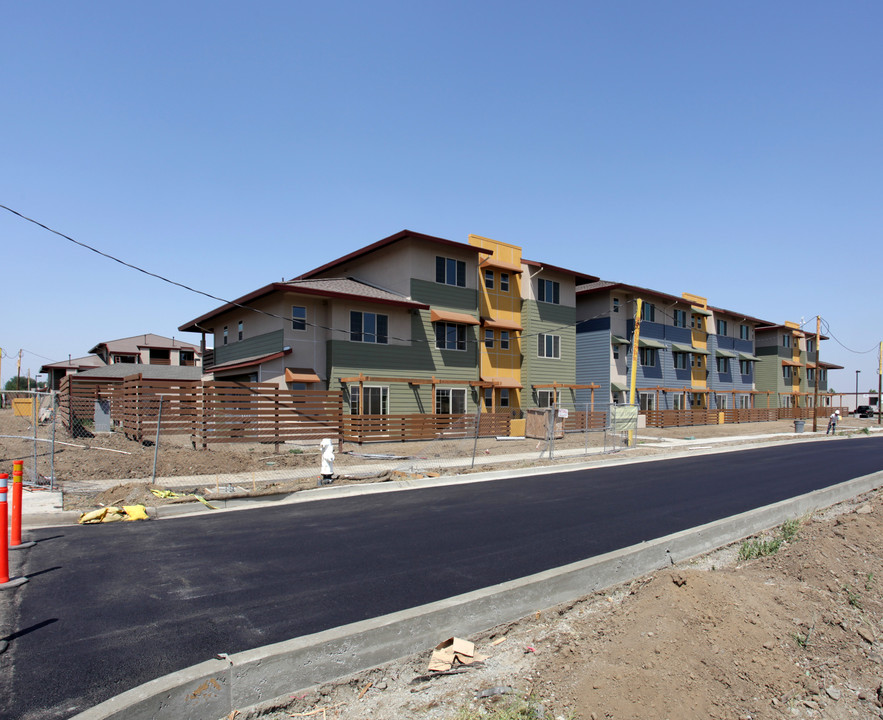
point(548, 346)
point(680, 318)
point(504, 339)
point(810, 375)
point(450, 272)
point(450, 336)
point(369, 327)
point(504, 282)
point(488, 398)
point(721, 327)
point(744, 402)
point(810, 345)
point(788, 401)
point(186, 357)
point(616, 351)
point(489, 279)
point(488, 338)
point(549, 291)
point(648, 312)
point(647, 400)
point(696, 361)
point(615, 304)
point(504, 397)
point(647, 356)
point(376, 401)
point(721, 401)
point(239, 331)
point(786, 372)
point(723, 365)
point(744, 332)
point(450, 401)
point(823, 375)
point(547, 398)
point(298, 317)
point(678, 402)
point(745, 367)
point(225, 334)
point(680, 360)
point(786, 340)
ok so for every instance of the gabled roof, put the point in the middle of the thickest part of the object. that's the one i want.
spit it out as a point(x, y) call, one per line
point(90, 361)
point(578, 276)
point(602, 285)
point(133, 345)
point(323, 287)
point(401, 235)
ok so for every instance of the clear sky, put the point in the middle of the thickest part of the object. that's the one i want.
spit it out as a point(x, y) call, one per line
point(732, 150)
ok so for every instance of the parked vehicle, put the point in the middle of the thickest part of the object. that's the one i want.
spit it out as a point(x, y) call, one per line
point(864, 411)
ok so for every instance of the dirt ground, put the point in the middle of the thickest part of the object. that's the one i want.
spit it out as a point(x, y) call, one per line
point(796, 634)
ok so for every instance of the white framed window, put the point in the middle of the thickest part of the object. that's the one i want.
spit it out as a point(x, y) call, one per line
point(298, 317)
point(744, 402)
point(488, 338)
point(239, 330)
point(680, 360)
point(549, 346)
point(489, 279)
point(504, 282)
point(376, 400)
point(368, 327)
point(680, 318)
point(745, 367)
point(450, 336)
point(721, 401)
point(678, 401)
point(648, 312)
point(450, 401)
point(723, 364)
point(549, 291)
point(647, 356)
point(788, 401)
point(504, 339)
point(647, 400)
point(450, 272)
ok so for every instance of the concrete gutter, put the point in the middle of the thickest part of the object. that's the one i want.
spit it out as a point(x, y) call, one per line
point(213, 689)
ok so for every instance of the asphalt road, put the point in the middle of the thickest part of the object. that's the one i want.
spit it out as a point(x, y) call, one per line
point(109, 607)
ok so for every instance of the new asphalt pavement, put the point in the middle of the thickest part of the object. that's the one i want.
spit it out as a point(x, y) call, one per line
point(109, 607)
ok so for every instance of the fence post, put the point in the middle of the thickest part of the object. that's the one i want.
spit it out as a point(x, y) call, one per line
point(55, 407)
point(156, 444)
point(15, 542)
point(477, 426)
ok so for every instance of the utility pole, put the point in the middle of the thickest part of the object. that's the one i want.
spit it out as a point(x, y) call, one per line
point(634, 373)
point(815, 394)
point(880, 386)
point(18, 372)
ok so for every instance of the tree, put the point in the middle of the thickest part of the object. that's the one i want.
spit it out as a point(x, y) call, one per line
point(20, 382)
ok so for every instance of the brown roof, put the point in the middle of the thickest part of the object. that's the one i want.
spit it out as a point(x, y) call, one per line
point(90, 361)
point(323, 287)
point(546, 266)
point(402, 235)
point(133, 345)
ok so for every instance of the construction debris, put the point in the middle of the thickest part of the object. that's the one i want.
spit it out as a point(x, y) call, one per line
point(113, 514)
point(453, 651)
point(168, 494)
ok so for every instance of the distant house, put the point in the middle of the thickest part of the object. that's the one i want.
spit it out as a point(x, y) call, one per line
point(138, 350)
point(410, 324)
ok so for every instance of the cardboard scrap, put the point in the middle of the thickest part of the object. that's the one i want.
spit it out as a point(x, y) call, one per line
point(454, 651)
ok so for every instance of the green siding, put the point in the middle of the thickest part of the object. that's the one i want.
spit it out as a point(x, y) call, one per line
point(421, 359)
point(445, 296)
point(250, 347)
point(554, 320)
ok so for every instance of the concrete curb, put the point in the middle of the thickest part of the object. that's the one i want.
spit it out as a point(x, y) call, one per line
point(215, 688)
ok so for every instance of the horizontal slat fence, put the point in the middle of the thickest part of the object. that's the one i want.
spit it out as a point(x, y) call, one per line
point(579, 421)
point(401, 428)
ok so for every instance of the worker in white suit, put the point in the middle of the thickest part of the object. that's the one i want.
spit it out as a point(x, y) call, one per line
point(327, 469)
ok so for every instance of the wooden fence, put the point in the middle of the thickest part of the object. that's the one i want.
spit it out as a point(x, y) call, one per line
point(681, 418)
point(76, 403)
point(421, 426)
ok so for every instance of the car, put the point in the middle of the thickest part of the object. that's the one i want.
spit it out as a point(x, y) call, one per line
point(864, 411)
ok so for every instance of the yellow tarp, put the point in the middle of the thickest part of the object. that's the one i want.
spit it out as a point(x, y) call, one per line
point(113, 514)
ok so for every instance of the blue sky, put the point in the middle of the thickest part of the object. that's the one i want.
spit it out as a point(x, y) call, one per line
point(732, 150)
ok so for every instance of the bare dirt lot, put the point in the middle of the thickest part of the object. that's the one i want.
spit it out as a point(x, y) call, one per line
point(795, 634)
